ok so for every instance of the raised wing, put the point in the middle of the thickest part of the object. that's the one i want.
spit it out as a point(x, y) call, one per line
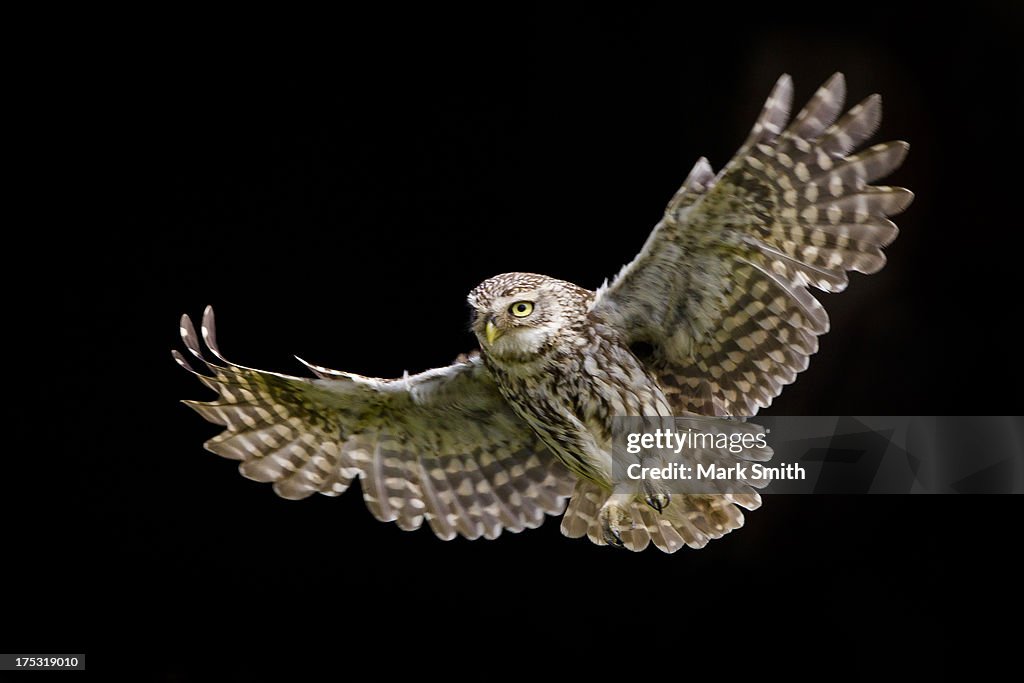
point(441, 446)
point(720, 289)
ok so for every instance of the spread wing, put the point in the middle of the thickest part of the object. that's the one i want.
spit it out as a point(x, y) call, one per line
point(719, 292)
point(441, 446)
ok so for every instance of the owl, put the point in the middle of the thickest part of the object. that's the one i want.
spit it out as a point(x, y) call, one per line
point(713, 317)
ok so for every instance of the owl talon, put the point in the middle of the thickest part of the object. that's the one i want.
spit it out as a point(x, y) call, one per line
point(613, 519)
point(613, 537)
point(659, 501)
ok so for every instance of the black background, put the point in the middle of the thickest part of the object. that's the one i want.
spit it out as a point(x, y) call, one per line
point(334, 186)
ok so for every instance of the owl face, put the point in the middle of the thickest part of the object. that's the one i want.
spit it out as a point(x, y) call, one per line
point(519, 316)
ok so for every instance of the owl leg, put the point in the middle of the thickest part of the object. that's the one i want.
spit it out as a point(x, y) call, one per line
point(614, 518)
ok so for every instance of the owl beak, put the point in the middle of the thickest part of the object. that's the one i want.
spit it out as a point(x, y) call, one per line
point(492, 332)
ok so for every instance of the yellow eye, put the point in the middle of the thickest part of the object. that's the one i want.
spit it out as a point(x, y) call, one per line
point(521, 309)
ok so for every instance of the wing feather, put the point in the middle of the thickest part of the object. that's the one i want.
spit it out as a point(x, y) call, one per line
point(442, 446)
point(720, 289)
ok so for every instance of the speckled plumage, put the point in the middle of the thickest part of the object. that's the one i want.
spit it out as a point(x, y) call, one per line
point(712, 317)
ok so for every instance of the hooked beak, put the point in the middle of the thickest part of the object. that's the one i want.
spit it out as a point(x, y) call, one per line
point(492, 332)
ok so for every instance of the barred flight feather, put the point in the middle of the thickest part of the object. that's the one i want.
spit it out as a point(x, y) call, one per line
point(720, 289)
point(441, 447)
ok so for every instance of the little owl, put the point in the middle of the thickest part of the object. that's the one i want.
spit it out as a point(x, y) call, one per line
point(713, 317)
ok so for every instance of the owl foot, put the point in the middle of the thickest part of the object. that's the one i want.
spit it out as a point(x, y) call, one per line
point(614, 519)
point(658, 501)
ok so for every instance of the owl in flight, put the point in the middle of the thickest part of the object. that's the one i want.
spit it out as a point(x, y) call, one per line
point(712, 317)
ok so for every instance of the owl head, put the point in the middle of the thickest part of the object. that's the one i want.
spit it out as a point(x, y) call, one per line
point(518, 317)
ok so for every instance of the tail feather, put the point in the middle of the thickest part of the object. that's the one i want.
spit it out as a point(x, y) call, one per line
point(581, 515)
point(689, 520)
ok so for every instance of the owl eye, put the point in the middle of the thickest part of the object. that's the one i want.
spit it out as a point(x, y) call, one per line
point(521, 309)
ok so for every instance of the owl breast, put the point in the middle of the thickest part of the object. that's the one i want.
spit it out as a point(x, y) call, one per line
point(570, 398)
